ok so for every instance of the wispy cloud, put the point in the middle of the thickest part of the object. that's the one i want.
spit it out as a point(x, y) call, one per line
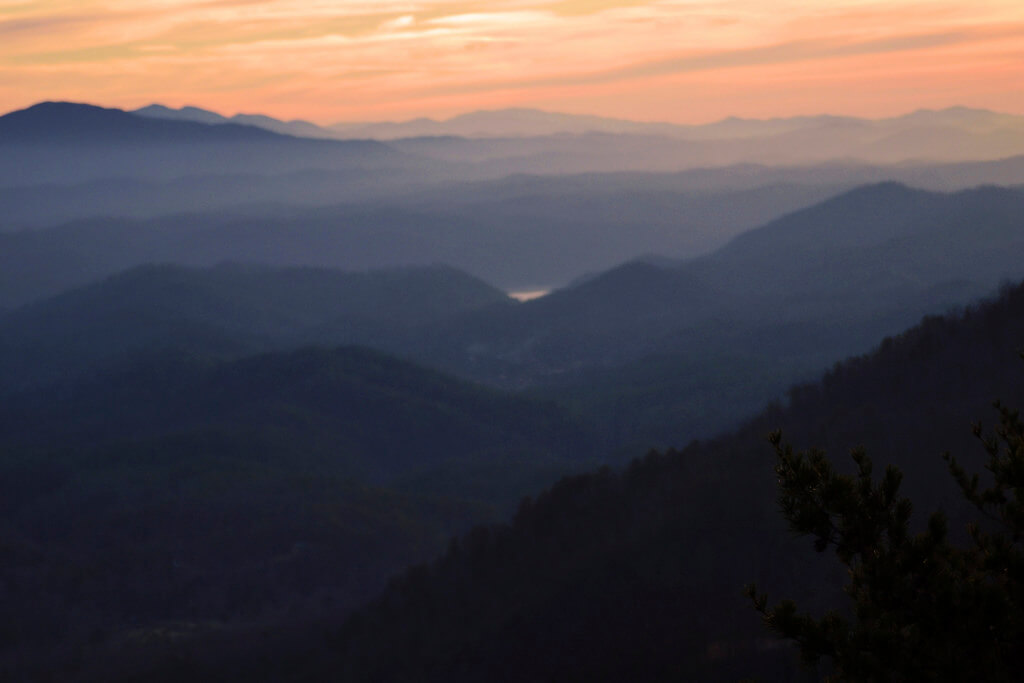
point(44, 26)
point(782, 53)
point(436, 56)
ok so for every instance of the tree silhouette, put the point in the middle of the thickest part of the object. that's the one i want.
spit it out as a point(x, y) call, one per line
point(921, 608)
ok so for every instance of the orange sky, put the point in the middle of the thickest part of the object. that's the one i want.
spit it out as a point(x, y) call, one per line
point(673, 60)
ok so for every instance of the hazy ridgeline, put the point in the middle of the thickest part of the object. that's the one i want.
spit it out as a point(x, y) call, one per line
point(251, 369)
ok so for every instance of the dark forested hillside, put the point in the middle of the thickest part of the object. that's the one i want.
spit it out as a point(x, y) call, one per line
point(227, 311)
point(638, 575)
point(188, 493)
point(371, 417)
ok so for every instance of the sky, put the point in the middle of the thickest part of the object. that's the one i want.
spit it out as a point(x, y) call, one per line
point(683, 61)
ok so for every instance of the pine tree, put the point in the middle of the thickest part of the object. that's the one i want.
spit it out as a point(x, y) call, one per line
point(921, 608)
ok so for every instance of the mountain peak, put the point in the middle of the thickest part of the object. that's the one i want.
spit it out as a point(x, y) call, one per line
point(50, 123)
point(61, 108)
point(186, 113)
point(61, 121)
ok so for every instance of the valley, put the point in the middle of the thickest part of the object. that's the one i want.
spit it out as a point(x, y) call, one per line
point(279, 400)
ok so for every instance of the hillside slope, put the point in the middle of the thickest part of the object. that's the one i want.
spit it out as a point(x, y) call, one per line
point(228, 311)
point(185, 493)
point(638, 574)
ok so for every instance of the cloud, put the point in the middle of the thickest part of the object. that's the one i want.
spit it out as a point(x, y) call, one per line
point(398, 23)
point(43, 26)
point(571, 8)
point(447, 53)
point(782, 53)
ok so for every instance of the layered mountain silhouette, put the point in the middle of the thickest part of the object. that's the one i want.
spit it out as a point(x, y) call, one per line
point(495, 144)
point(65, 160)
point(607, 576)
point(873, 251)
point(524, 139)
point(521, 122)
point(225, 311)
point(657, 354)
point(640, 192)
point(674, 353)
point(525, 123)
point(187, 113)
point(64, 123)
point(203, 475)
point(62, 142)
point(777, 304)
point(296, 127)
point(515, 233)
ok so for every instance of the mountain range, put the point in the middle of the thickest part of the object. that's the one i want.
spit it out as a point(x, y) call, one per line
point(640, 193)
point(226, 311)
point(295, 127)
point(523, 123)
point(666, 354)
point(35, 142)
point(957, 133)
point(249, 371)
point(62, 142)
point(68, 123)
point(657, 352)
point(66, 160)
point(610, 575)
point(519, 233)
point(874, 250)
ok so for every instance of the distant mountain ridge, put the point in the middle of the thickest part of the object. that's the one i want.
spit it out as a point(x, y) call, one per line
point(954, 135)
point(514, 233)
point(666, 355)
point(48, 205)
point(477, 145)
point(67, 142)
point(525, 122)
point(884, 238)
point(73, 123)
point(295, 127)
point(522, 122)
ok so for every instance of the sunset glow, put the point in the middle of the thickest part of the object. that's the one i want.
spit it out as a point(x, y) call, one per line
point(672, 60)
